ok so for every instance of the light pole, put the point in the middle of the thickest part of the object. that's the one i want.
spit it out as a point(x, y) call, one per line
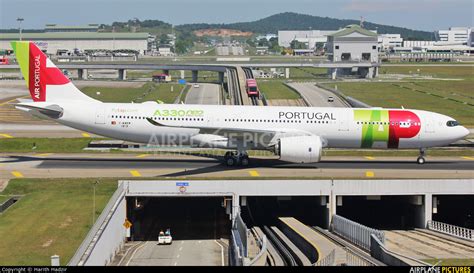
point(19, 24)
point(93, 201)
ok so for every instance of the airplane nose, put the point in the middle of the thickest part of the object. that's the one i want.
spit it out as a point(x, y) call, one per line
point(465, 132)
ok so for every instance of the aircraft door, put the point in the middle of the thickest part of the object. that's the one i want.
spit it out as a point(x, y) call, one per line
point(100, 116)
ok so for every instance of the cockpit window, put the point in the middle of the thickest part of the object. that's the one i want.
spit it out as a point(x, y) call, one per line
point(452, 123)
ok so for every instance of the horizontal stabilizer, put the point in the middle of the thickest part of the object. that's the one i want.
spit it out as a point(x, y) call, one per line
point(52, 111)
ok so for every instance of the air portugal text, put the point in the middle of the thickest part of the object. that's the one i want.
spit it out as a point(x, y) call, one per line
point(307, 115)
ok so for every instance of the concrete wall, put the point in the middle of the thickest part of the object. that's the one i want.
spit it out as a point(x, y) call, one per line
point(378, 251)
point(112, 238)
point(300, 187)
point(332, 188)
point(306, 247)
point(106, 236)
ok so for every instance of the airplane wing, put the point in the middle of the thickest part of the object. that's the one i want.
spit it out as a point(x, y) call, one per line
point(53, 111)
point(267, 136)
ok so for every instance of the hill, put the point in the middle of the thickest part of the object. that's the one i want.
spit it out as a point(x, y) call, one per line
point(295, 21)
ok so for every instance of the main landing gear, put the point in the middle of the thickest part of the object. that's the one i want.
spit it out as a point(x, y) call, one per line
point(236, 159)
point(421, 159)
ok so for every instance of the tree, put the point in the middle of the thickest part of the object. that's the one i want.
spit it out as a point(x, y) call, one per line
point(250, 42)
point(295, 44)
point(263, 42)
point(164, 39)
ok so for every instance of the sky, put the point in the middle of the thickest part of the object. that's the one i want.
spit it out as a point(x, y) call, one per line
point(416, 14)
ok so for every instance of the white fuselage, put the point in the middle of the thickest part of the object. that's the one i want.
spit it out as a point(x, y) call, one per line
point(336, 126)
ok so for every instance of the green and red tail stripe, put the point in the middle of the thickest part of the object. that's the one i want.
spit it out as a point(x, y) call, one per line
point(37, 69)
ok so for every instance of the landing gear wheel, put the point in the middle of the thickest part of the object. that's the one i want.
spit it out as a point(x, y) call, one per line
point(231, 161)
point(228, 155)
point(244, 161)
point(420, 160)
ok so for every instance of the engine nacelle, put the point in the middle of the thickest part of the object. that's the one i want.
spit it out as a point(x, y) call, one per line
point(300, 149)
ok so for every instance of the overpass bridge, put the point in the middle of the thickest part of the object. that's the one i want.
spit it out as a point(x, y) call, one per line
point(221, 68)
point(396, 204)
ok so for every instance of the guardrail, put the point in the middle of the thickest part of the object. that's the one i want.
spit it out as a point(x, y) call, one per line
point(328, 260)
point(238, 248)
point(263, 249)
point(456, 231)
point(88, 244)
point(243, 231)
point(355, 232)
point(235, 249)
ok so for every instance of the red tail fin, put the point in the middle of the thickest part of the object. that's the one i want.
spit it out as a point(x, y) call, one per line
point(45, 81)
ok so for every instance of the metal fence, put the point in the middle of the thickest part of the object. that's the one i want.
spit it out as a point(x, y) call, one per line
point(328, 260)
point(460, 232)
point(354, 232)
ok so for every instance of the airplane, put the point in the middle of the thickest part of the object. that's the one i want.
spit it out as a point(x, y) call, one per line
point(295, 134)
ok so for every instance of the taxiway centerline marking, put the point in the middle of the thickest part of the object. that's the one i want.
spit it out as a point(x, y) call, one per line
point(135, 173)
point(6, 135)
point(17, 174)
point(254, 173)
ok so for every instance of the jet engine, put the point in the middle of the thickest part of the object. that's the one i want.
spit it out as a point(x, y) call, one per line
point(300, 149)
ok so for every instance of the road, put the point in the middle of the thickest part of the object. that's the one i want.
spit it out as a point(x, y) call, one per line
point(179, 253)
point(420, 245)
point(316, 96)
point(206, 93)
point(49, 165)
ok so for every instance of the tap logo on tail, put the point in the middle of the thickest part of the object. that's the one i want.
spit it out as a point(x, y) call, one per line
point(37, 69)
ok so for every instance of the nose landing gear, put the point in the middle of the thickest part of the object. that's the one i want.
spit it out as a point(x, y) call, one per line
point(236, 159)
point(421, 159)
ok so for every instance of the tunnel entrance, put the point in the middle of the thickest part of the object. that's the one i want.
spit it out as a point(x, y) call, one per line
point(188, 218)
point(265, 210)
point(383, 212)
point(456, 210)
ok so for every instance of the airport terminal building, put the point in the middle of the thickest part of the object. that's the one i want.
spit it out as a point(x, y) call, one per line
point(70, 38)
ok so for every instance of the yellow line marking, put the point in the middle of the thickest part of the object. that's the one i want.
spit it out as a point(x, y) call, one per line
point(142, 155)
point(305, 238)
point(254, 173)
point(17, 174)
point(369, 174)
point(46, 154)
point(3, 103)
point(86, 135)
point(6, 135)
point(370, 157)
point(468, 157)
point(135, 173)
